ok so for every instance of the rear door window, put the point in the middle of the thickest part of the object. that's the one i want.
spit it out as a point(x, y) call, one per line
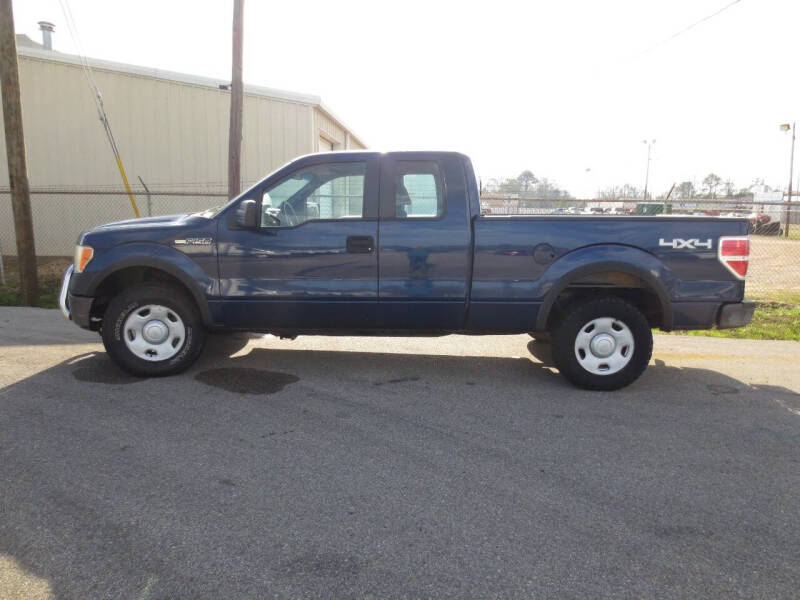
point(418, 190)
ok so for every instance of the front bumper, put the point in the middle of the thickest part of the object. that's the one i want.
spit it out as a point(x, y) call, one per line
point(78, 309)
point(63, 299)
point(736, 315)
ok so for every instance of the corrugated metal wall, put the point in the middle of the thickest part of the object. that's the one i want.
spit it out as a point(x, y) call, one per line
point(169, 133)
point(173, 134)
point(59, 218)
point(334, 132)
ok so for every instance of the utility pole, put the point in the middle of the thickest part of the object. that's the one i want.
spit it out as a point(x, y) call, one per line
point(647, 173)
point(785, 127)
point(15, 150)
point(237, 92)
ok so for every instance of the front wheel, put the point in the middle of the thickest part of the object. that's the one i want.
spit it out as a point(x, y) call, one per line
point(153, 330)
point(602, 344)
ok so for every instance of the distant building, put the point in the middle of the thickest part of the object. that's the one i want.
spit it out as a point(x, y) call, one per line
point(171, 130)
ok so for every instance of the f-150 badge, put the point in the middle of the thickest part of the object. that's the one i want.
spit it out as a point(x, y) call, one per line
point(678, 243)
point(197, 241)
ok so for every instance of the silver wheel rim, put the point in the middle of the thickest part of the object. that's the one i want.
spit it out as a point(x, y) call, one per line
point(604, 346)
point(154, 332)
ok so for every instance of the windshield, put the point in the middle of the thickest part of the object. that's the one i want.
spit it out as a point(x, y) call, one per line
point(210, 213)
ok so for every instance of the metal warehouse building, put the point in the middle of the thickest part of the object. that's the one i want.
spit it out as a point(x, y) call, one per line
point(171, 130)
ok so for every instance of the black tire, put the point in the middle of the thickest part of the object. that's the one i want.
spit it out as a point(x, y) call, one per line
point(141, 295)
point(567, 330)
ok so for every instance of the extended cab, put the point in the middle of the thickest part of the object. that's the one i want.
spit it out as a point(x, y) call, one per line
point(364, 243)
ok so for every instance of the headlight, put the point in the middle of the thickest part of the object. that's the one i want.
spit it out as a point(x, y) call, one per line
point(83, 254)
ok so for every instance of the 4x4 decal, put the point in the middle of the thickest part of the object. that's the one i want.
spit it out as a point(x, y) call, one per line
point(679, 243)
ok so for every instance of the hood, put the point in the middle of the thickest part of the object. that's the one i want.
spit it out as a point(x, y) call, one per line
point(167, 220)
point(162, 230)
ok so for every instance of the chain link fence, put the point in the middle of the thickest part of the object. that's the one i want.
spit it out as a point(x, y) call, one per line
point(60, 215)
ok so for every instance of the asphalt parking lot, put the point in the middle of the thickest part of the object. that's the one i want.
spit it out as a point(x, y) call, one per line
point(394, 468)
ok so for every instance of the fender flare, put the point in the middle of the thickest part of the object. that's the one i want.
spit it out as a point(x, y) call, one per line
point(155, 256)
point(637, 263)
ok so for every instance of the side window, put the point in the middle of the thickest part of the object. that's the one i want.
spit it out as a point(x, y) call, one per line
point(418, 190)
point(326, 191)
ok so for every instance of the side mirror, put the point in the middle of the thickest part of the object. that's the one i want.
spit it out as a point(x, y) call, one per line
point(247, 214)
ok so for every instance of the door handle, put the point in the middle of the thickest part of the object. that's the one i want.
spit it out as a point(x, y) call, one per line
point(363, 244)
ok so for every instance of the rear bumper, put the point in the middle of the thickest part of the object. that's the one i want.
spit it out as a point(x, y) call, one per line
point(706, 315)
point(735, 315)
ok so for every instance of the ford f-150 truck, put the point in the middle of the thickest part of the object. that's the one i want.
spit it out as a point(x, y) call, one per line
point(367, 243)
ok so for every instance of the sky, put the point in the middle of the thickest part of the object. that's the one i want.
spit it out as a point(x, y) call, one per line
point(568, 89)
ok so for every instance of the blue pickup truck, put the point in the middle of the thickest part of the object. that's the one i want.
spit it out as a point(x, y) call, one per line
point(394, 244)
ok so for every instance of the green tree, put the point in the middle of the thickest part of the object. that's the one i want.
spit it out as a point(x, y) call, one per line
point(526, 179)
point(618, 192)
point(711, 183)
point(526, 182)
point(509, 186)
point(685, 190)
point(730, 187)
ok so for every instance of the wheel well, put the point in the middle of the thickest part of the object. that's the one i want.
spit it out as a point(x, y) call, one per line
point(117, 281)
point(610, 283)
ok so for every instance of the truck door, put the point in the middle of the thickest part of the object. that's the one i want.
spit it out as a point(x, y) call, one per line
point(312, 261)
point(424, 242)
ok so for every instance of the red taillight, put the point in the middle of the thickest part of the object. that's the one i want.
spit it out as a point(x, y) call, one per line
point(734, 253)
point(739, 267)
point(734, 247)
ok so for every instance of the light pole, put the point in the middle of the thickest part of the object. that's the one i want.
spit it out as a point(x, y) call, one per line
point(647, 173)
point(787, 127)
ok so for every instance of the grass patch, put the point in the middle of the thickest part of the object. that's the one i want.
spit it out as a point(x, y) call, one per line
point(774, 296)
point(771, 321)
point(50, 271)
point(777, 317)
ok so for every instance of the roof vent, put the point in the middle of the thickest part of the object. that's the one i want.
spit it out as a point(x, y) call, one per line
point(47, 34)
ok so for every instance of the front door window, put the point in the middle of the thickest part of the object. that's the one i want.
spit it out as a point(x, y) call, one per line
point(330, 191)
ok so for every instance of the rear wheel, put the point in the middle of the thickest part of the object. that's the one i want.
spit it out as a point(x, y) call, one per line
point(153, 330)
point(602, 344)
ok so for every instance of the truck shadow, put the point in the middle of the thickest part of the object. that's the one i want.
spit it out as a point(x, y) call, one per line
point(111, 466)
point(257, 370)
point(267, 371)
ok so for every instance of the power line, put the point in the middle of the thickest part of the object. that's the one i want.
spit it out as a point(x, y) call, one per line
point(85, 67)
point(688, 28)
point(98, 97)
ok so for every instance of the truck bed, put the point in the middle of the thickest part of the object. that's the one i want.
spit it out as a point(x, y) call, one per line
point(518, 260)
